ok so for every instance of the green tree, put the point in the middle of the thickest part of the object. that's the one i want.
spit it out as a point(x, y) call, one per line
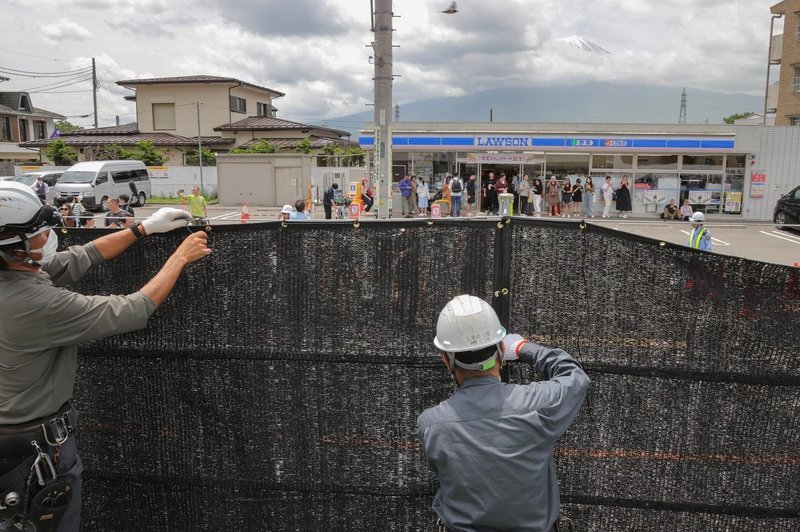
point(332, 150)
point(304, 146)
point(65, 126)
point(737, 116)
point(209, 158)
point(262, 146)
point(354, 156)
point(113, 152)
point(147, 153)
point(60, 153)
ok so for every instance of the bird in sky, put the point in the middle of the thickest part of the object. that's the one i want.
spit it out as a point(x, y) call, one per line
point(450, 10)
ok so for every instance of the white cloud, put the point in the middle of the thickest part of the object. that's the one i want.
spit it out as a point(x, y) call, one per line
point(316, 52)
point(65, 30)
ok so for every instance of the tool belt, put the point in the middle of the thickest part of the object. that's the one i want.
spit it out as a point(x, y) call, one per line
point(49, 431)
point(30, 493)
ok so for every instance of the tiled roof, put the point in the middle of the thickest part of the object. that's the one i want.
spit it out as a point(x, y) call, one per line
point(193, 79)
point(124, 129)
point(317, 143)
point(37, 113)
point(265, 123)
point(47, 114)
point(129, 139)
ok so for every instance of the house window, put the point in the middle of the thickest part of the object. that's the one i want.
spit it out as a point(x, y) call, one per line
point(794, 120)
point(796, 80)
point(797, 33)
point(23, 130)
point(5, 129)
point(262, 109)
point(238, 105)
point(39, 130)
point(163, 116)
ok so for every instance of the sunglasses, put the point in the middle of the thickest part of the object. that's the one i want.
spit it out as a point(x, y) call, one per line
point(63, 209)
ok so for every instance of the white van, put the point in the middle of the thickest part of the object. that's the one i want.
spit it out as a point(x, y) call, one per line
point(97, 181)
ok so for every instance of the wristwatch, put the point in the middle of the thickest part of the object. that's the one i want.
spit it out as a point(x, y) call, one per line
point(135, 230)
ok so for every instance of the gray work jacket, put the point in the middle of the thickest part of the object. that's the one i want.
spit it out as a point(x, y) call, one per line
point(41, 325)
point(491, 445)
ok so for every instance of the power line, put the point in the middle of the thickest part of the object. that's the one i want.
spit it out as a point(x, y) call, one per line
point(30, 74)
point(42, 57)
point(59, 84)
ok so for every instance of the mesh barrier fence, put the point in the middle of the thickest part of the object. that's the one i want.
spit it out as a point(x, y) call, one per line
point(278, 386)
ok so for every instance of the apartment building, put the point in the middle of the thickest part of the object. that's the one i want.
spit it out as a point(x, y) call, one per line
point(783, 95)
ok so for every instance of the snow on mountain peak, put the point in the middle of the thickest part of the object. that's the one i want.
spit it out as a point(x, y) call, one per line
point(583, 44)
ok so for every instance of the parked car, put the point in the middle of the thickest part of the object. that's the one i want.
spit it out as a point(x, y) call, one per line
point(97, 181)
point(787, 209)
point(5, 177)
point(50, 177)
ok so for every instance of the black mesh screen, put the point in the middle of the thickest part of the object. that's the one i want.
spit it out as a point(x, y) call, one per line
point(278, 387)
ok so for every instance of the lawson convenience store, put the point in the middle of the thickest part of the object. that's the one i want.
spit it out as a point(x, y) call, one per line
point(709, 165)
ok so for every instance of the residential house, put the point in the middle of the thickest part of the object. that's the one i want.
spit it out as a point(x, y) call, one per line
point(20, 122)
point(225, 112)
point(783, 96)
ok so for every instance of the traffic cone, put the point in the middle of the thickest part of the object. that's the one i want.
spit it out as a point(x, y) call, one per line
point(245, 213)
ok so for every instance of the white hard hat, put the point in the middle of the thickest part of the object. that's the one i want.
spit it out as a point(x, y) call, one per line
point(697, 217)
point(22, 214)
point(287, 209)
point(467, 323)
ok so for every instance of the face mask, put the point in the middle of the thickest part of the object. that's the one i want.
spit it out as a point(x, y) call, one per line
point(49, 249)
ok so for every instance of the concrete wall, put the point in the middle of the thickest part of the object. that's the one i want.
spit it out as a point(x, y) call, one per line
point(269, 180)
point(779, 159)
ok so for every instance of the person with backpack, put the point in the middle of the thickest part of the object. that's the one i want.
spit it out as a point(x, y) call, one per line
point(456, 189)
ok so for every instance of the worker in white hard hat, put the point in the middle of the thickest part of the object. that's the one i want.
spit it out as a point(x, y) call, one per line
point(40, 327)
point(491, 443)
point(700, 237)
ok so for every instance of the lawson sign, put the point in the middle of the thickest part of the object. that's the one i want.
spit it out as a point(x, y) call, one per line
point(529, 142)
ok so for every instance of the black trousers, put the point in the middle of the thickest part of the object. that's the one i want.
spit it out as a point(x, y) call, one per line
point(328, 214)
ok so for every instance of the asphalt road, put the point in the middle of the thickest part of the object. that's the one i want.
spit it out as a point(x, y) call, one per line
point(754, 240)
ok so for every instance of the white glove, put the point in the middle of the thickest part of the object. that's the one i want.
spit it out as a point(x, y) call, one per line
point(165, 219)
point(511, 346)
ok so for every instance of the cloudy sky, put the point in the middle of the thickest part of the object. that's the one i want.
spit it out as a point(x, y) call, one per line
point(315, 50)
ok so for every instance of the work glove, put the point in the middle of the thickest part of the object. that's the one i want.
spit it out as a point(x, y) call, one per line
point(511, 346)
point(165, 219)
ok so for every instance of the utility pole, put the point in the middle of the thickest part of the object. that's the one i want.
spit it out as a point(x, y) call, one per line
point(94, 90)
point(382, 49)
point(397, 112)
point(200, 149)
point(682, 116)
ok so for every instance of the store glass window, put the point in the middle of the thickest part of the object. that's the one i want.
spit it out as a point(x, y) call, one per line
point(704, 191)
point(702, 162)
point(612, 162)
point(566, 165)
point(657, 162)
point(733, 188)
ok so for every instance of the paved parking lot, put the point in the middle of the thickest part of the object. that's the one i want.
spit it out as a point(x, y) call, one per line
point(755, 240)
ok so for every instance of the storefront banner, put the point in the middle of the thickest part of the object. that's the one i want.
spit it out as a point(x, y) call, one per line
point(733, 202)
point(654, 197)
point(699, 197)
point(757, 184)
point(500, 158)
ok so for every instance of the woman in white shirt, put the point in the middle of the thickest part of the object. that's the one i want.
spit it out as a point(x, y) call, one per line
point(608, 194)
point(422, 197)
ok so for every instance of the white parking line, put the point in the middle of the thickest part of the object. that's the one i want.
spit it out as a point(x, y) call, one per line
point(715, 240)
point(224, 216)
point(788, 238)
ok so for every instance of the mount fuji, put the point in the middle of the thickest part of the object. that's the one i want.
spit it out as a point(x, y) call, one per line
point(579, 42)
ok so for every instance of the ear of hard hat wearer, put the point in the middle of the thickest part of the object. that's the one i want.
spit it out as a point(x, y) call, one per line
point(467, 323)
point(22, 214)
